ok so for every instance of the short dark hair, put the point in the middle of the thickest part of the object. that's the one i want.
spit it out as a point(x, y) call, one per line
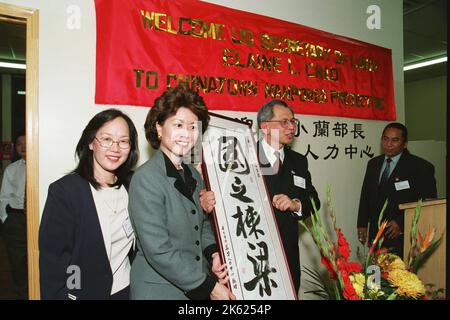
point(18, 135)
point(399, 126)
point(85, 166)
point(15, 155)
point(265, 113)
point(168, 104)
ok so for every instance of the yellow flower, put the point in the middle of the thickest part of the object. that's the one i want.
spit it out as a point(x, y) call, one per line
point(407, 283)
point(358, 280)
point(389, 262)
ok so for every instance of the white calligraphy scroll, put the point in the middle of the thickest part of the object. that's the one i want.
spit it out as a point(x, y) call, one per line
point(244, 221)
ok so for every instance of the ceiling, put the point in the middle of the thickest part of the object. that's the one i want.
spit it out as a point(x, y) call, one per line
point(425, 36)
point(12, 45)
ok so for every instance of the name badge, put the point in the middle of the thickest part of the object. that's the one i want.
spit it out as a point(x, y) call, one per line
point(126, 225)
point(300, 182)
point(402, 185)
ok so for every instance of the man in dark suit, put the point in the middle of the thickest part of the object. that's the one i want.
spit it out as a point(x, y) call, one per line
point(397, 176)
point(287, 177)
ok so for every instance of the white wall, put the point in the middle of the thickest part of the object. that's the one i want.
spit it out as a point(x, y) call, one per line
point(436, 153)
point(67, 79)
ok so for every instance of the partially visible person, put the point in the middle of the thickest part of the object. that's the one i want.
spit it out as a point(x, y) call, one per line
point(85, 237)
point(13, 218)
point(287, 176)
point(176, 245)
point(398, 177)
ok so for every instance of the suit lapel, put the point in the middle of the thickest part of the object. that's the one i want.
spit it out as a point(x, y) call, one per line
point(186, 188)
point(96, 222)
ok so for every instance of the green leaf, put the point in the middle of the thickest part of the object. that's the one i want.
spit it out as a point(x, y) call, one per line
point(380, 218)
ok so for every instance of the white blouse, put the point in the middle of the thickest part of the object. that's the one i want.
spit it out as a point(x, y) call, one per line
point(112, 210)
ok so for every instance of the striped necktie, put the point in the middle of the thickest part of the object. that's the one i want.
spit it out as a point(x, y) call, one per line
point(277, 163)
point(385, 175)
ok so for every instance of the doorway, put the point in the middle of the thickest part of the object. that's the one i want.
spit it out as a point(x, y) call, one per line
point(29, 19)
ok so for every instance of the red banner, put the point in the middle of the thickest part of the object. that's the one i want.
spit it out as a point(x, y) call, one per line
point(236, 60)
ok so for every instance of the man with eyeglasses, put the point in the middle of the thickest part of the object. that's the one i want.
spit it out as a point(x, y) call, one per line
point(287, 177)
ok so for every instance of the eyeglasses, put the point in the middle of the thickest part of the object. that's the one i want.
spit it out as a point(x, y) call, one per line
point(285, 123)
point(106, 142)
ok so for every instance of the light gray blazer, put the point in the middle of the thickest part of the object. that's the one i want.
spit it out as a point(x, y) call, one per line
point(174, 236)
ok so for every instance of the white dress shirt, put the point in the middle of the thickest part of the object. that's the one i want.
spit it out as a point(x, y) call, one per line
point(13, 187)
point(269, 151)
point(112, 210)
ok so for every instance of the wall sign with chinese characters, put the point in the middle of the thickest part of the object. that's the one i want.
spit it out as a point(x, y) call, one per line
point(245, 224)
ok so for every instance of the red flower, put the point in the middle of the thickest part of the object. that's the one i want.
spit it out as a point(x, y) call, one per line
point(343, 247)
point(349, 292)
point(353, 267)
point(341, 265)
point(329, 267)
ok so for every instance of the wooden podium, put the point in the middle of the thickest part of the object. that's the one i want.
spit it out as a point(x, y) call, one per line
point(432, 214)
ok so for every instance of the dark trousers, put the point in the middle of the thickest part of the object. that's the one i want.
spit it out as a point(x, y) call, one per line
point(14, 232)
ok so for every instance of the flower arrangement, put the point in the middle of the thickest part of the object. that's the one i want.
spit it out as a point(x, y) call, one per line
point(380, 276)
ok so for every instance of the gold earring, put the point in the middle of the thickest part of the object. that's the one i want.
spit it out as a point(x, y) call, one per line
point(159, 137)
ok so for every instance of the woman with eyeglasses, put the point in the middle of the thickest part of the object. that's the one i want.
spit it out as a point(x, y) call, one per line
point(177, 256)
point(85, 238)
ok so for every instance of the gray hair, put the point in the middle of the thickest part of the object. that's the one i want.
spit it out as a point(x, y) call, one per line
point(265, 113)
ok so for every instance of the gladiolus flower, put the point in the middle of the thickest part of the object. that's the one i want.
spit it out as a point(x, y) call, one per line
point(343, 247)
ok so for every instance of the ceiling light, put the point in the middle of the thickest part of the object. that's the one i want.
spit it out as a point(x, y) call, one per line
point(424, 63)
point(12, 65)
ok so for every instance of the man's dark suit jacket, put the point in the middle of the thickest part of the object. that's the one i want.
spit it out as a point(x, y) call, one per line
point(70, 235)
point(422, 185)
point(283, 183)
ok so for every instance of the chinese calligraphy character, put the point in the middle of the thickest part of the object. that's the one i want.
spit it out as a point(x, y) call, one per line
point(340, 129)
point(334, 150)
point(261, 270)
point(232, 155)
point(251, 221)
point(351, 150)
point(367, 152)
point(308, 152)
point(240, 190)
point(321, 128)
point(302, 127)
point(357, 131)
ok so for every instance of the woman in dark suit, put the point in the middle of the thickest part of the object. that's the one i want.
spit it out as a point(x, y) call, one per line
point(85, 235)
point(175, 241)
